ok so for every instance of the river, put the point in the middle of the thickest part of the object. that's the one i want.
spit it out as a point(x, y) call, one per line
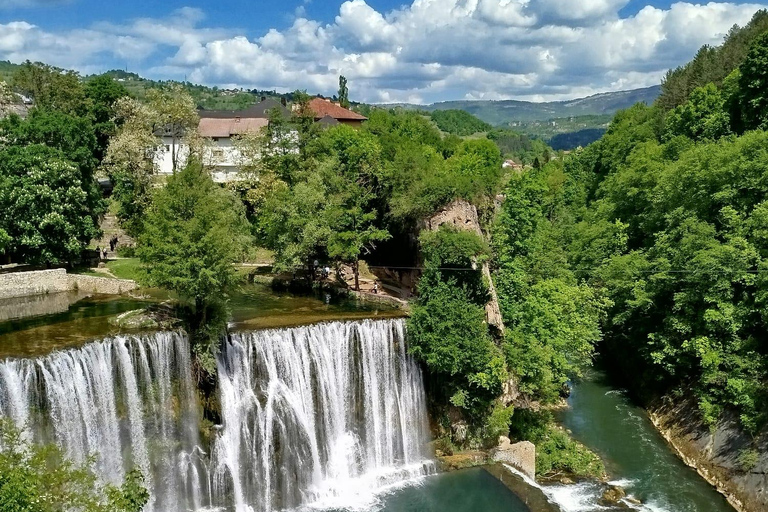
point(636, 456)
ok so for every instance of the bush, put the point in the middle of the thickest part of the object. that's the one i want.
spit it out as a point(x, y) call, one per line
point(556, 452)
point(748, 459)
point(37, 478)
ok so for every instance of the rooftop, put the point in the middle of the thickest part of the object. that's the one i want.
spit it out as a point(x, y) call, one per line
point(259, 110)
point(213, 127)
point(326, 108)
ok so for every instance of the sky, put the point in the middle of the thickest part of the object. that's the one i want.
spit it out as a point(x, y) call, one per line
point(389, 50)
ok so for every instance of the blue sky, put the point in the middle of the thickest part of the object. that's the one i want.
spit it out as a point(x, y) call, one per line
point(417, 50)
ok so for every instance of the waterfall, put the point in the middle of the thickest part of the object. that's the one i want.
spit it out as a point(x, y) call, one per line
point(320, 416)
point(112, 399)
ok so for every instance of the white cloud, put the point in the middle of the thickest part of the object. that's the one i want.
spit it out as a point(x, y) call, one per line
point(428, 50)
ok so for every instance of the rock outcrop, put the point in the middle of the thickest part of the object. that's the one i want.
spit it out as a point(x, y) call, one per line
point(716, 453)
point(463, 215)
point(521, 456)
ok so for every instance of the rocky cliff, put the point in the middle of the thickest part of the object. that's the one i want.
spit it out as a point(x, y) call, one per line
point(463, 215)
point(717, 453)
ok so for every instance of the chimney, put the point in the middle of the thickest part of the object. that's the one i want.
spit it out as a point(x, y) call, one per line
point(283, 101)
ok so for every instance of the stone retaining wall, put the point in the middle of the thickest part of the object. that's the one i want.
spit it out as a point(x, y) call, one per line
point(43, 282)
point(103, 285)
point(38, 282)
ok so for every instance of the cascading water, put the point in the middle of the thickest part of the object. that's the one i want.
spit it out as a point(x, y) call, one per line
point(129, 401)
point(318, 415)
point(321, 415)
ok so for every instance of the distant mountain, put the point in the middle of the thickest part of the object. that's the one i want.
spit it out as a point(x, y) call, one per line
point(506, 112)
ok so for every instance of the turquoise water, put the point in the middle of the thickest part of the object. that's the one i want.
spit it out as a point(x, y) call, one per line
point(469, 490)
point(636, 455)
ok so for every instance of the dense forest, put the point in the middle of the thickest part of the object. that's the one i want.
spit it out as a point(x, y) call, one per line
point(658, 231)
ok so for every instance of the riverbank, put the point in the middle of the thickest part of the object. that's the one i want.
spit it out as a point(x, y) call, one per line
point(716, 453)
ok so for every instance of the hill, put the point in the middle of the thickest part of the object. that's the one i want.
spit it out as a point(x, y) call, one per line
point(505, 112)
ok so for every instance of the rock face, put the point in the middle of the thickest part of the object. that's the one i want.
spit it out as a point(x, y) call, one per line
point(521, 456)
point(463, 215)
point(715, 452)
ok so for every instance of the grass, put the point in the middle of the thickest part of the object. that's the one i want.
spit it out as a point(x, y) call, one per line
point(126, 268)
point(84, 271)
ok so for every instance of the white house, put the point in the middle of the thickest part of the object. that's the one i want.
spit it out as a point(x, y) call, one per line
point(220, 126)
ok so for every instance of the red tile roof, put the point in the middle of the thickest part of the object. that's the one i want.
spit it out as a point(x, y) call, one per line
point(323, 108)
point(212, 127)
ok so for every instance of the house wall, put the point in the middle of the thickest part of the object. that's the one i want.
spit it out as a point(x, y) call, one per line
point(354, 123)
point(223, 157)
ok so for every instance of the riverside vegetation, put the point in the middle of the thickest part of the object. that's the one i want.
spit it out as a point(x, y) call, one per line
point(650, 244)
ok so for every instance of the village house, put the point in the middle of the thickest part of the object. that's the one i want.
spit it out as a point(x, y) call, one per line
point(329, 113)
point(222, 126)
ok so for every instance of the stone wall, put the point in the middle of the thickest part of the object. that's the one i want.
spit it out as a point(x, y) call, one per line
point(38, 282)
point(102, 285)
point(521, 456)
point(714, 452)
point(43, 282)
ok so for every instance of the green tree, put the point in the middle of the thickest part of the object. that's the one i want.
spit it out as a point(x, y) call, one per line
point(343, 92)
point(193, 233)
point(458, 122)
point(476, 169)
point(130, 162)
point(43, 207)
point(554, 338)
point(51, 88)
point(292, 220)
point(447, 328)
point(753, 84)
point(102, 93)
point(703, 116)
point(72, 135)
point(36, 478)
point(448, 332)
point(175, 115)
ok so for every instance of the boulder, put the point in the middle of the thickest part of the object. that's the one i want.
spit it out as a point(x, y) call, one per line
point(613, 496)
point(521, 456)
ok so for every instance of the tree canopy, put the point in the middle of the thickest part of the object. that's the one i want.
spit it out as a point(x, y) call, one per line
point(458, 122)
point(39, 478)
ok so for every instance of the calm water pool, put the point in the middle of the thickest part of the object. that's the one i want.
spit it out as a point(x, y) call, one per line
point(33, 326)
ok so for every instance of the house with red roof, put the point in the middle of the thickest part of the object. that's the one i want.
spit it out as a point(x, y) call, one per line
point(329, 113)
point(221, 127)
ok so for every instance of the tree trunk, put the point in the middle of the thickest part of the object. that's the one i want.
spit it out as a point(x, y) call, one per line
point(173, 150)
point(357, 275)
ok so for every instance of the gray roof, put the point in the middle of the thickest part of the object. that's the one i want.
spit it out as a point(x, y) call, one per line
point(259, 110)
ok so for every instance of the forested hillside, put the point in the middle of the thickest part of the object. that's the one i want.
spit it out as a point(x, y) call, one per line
point(658, 229)
point(503, 112)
